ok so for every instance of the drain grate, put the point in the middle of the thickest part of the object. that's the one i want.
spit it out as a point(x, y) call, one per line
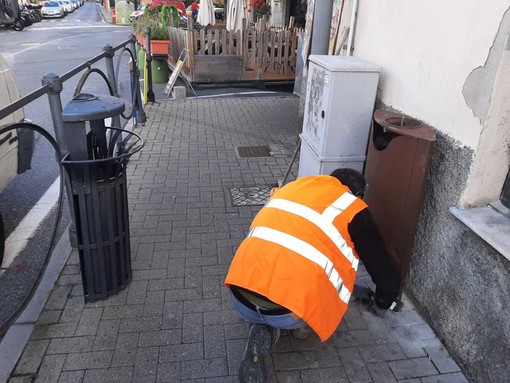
point(250, 196)
point(254, 151)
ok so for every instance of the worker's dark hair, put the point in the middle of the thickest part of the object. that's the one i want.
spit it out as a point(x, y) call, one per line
point(351, 178)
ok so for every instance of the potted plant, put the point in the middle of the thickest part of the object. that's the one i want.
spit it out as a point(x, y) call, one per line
point(260, 8)
point(157, 17)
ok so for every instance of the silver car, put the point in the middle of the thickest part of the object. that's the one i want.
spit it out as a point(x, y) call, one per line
point(52, 9)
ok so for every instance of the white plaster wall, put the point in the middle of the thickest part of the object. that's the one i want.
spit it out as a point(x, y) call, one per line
point(427, 49)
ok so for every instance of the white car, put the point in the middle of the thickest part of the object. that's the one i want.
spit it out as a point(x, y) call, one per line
point(16, 146)
point(66, 5)
point(52, 9)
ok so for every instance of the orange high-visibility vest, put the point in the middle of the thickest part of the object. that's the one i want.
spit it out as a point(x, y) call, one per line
point(299, 253)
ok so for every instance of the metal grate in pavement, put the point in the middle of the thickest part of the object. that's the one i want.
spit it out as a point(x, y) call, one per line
point(250, 196)
point(253, 151)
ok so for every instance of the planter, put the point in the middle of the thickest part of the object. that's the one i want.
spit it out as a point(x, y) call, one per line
point(159, 47)
point(140, 39)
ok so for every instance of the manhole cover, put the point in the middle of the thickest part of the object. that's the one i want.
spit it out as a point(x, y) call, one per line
point(254, 151)
point(250, 196)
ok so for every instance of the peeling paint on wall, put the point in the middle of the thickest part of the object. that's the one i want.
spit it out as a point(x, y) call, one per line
point(477, 89)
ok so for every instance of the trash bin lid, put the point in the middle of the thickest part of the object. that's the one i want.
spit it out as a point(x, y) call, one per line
point(404, 125)
point(88, 107)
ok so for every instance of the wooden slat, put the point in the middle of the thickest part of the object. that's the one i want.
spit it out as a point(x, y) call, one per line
point(273, 47)
point(224, 48)
point(286, 52)
point(202, 42)
point(217, 40)
point(209, 42)
point(280, 51)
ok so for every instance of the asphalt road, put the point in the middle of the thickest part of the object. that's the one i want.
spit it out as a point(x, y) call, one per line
point(56, 46)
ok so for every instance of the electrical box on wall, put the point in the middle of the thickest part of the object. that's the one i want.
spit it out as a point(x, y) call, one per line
point(340, 100)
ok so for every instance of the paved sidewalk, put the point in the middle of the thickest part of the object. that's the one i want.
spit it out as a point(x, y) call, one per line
point(174, 322)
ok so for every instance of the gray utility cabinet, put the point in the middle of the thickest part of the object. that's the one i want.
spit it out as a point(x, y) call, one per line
point(340, 100)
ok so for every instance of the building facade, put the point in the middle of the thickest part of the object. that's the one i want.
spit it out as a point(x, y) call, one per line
point(448, 65)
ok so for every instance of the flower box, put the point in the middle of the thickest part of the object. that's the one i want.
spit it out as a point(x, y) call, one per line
point(159, 47)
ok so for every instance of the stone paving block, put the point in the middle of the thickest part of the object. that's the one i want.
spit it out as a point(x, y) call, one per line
point(235, 350)
point(381, 353)
point(222, 379)
point(407, 341)
point(379, 329)
point(166, 284)
point(31, 357)
point(146, 365)
point(154, 304)
point(441, 359)
point(204, 368)
point(381, 373)
point(159, 338)
point(106, 335)
point(193, 277)
point(181, 352)
point(353, 338)
point(72, 310)
point(456, 377)
point(48, 331)
point(293, 377)
point(413, 368)
point(327, 375)
point(172, 315)
point(412, 380)
point(222, 317)
point(87, 360)
point(212, 286)
point(71, 377)
point(125, 350)
point(118, 299)
point(168, 372)
point(21, 379)
point(160, 260)
point(236, 331)
point(49, 317)
point(140, 324)
point(70, 345)
point(311, 343)
point(109, 375)
point(89, 321)
point(306, 360)
point(214, 342)
point(201, 306)
point(124, 311)
point(142, 275)
point(183, 294)
point(353, 317)
point(192, 328)
point(136, 292)
point(354, 366)
point(58, 298)
point(422, 331)
point(50, 369)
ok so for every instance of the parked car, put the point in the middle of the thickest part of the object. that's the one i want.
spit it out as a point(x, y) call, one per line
point(76, 3)
point(16, 146)
point(69, 7)
point(138, 13)
point(52, 9)
point(65, 7)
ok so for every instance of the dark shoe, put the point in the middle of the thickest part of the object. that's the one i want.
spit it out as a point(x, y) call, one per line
point(253, 369)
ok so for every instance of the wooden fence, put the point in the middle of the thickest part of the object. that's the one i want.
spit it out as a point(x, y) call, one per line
point(218, 55)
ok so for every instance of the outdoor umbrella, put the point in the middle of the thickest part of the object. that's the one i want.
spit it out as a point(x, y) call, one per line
point(206, 13)
point(235, 15)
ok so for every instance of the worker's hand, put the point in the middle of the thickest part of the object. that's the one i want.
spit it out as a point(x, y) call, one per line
point(363, 294)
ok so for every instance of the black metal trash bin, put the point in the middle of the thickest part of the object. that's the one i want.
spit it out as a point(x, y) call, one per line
point(100, 204)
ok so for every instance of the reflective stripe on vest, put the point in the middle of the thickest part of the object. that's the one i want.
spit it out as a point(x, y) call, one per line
point(307, 251)
point(323, 221)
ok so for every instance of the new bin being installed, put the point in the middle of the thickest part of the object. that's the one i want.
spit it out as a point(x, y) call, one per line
point(398, 163)
point(339, 104)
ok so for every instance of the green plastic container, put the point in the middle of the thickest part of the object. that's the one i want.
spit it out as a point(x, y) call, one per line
point(141, 59)
point(159, 71)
